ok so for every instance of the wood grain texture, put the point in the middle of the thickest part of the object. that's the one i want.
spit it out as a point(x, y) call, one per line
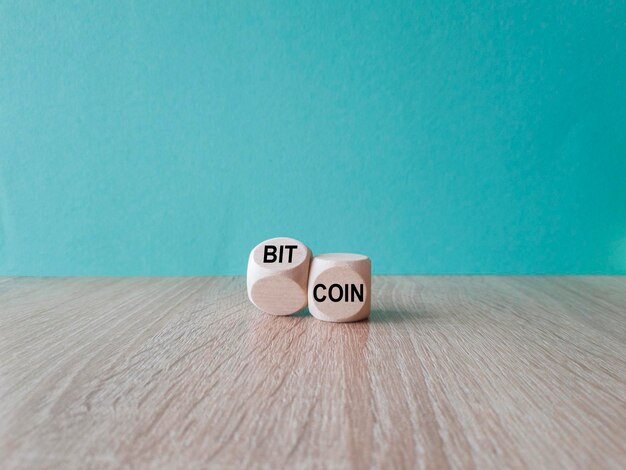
point(462, 372)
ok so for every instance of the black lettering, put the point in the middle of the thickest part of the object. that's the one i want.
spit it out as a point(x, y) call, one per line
point(267, 253)
point(357, 293)
point(290, 249)
point(319, 299)
point(330, 293)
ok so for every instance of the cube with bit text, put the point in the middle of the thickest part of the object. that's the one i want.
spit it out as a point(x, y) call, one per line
point(278, 272)
point(340, 287)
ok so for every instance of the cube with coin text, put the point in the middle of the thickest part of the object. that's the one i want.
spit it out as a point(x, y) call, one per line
point(340, 287)
point(278, 272)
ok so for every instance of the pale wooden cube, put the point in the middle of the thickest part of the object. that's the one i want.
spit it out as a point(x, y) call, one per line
point(278, 273)
point(340, 287)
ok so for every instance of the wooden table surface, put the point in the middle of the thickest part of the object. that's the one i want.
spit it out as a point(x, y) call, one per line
point(463, 372)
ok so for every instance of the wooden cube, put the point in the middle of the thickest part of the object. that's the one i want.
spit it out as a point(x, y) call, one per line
point(278, 272)
point(340, 287)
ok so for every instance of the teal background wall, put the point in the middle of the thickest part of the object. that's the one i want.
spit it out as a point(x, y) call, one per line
point(154, 138)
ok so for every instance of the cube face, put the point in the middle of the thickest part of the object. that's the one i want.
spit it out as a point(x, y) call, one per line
point(339, 287)
point(278, 295)
point(281, 254)
point(278, 271)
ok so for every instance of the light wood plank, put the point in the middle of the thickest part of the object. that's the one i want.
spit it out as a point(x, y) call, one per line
point(461, 372)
